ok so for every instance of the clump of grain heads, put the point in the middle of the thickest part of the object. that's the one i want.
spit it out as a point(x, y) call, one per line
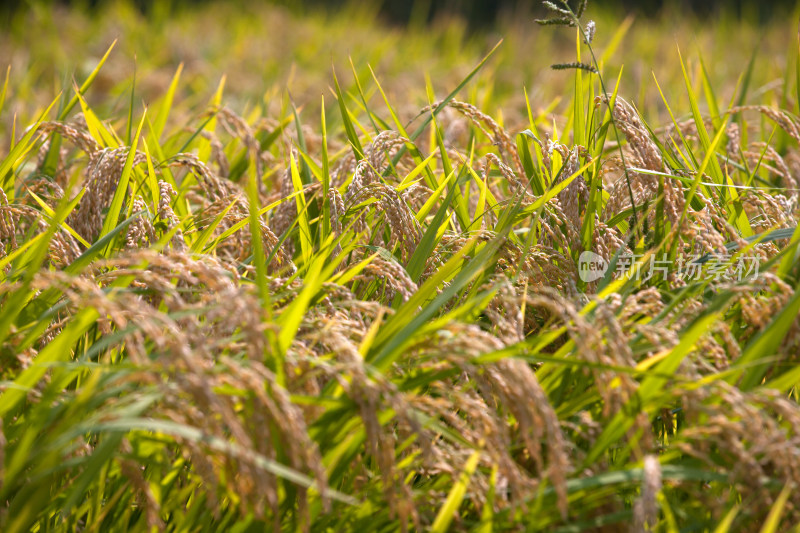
point(396, 216)
point(165, 213)
point(645, 512)
point(644, 154)
point(8, 222)
point(486, 124)
point(104, 172)
point(747, 437)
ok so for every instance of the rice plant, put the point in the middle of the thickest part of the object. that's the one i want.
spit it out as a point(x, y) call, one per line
point(436, 306)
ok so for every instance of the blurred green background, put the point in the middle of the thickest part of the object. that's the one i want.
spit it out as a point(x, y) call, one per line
point(479, 13)
point(274, 52)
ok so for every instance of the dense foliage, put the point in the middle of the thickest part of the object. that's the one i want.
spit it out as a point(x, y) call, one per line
point(244, 305)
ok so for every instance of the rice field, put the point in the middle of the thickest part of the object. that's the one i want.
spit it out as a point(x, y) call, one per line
point(271, 269)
